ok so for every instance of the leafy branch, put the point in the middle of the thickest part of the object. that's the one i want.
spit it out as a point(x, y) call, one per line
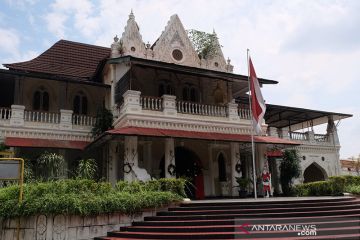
point(205, 44)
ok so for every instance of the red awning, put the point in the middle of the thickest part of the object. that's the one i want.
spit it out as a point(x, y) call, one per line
point(47, 143)
point(155, 132)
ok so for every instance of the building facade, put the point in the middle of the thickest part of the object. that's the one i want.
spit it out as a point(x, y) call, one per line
point(175, 114)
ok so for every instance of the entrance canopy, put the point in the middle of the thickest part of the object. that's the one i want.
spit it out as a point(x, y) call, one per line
point(155, 132)
point(298, 118)
point(47, 143)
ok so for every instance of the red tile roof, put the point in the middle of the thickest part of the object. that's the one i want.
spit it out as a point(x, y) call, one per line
point(66, 58)
point(50, 143)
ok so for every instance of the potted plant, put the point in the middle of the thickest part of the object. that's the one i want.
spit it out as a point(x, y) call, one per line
point(243, 183)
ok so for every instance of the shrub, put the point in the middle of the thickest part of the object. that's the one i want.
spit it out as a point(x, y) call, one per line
point(334, 186)
point(87, 169)
point(174, 185)
point(83, 197)
point(337, 185)
point(354, 189)
point(50, 166)
point(289, 169)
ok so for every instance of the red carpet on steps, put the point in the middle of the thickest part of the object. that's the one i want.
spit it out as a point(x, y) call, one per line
point(331, 218)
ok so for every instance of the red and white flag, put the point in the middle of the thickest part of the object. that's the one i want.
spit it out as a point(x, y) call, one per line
point(258, 106)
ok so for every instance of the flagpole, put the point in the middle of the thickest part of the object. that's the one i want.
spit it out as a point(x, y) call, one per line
point(252, 130)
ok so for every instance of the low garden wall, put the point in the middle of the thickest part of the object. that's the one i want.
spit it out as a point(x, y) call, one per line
point(75, 209)
point(67, 227)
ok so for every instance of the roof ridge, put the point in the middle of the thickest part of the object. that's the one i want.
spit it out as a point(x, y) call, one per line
point(80, 43)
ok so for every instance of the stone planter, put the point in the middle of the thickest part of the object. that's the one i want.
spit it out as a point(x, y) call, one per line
point(68, 227)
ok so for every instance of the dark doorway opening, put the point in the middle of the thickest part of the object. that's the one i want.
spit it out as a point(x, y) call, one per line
point(313, 173)
point(188, 166)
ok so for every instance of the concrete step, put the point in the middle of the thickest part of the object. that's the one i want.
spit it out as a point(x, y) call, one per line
point(180, 212)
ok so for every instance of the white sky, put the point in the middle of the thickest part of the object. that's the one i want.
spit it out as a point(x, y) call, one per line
point(311, 47)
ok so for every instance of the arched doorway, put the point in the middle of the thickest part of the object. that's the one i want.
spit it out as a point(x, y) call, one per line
point(314, 173)
point(188, 165)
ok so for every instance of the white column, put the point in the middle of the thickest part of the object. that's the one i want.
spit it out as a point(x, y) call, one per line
point(113, 166)
point(169, 156)
point(211, 171)
point(65, 119)
point(233, 111)
point(273, 131)
point(235, 158)
point(131, 156)
point(285, 133)
point(17, 115)
point(148, 157)
point(169, 105)
point(132, 101)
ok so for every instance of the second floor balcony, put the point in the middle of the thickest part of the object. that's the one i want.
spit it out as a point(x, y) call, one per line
point(20, 122)
point(169, 113)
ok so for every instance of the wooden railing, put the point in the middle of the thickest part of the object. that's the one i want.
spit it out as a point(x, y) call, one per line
point(5, 113)
point(298, 136)
point(321, 137)
point(83, 120)
point(45, 117)
point(151, 103)
point(201, 109)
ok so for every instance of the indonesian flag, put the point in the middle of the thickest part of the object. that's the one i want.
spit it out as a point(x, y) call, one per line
point(258, 106)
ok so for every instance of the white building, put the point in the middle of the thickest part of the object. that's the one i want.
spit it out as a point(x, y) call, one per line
point(172, 111)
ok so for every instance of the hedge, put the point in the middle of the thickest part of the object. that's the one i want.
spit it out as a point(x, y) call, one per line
point(164, 185)
point(87, 197)
point(334, 186)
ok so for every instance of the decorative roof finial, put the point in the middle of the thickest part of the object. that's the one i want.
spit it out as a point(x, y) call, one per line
point(131, 16)
point(148, 45)
point(228, 61)
point(116, 39)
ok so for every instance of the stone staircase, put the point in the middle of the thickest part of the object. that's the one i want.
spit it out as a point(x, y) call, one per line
point(331, 218)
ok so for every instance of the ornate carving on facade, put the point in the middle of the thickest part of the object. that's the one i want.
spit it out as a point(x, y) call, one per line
point(41, 227)
point(174, 46)
point(59, 227)
point(131, 42)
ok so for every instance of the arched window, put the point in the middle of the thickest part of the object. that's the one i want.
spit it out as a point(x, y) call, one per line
point(190, 94)
point(80, 103)
point(222, 168)
point(41, 100)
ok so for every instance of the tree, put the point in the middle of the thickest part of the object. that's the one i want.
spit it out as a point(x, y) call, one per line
point(104, 121)
point(205, 44)
point(289, 169)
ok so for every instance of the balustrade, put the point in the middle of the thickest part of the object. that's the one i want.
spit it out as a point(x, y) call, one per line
point(321, 137)
point(83, 120)
point(151, 103)
point(244, 113)
point(201, 109)
point(298, 136)
point(5, 113)
point(44, 117)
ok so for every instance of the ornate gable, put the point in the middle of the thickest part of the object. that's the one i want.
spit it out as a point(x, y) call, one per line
point(131, 40)
point(216, 61)
point(174, 46)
